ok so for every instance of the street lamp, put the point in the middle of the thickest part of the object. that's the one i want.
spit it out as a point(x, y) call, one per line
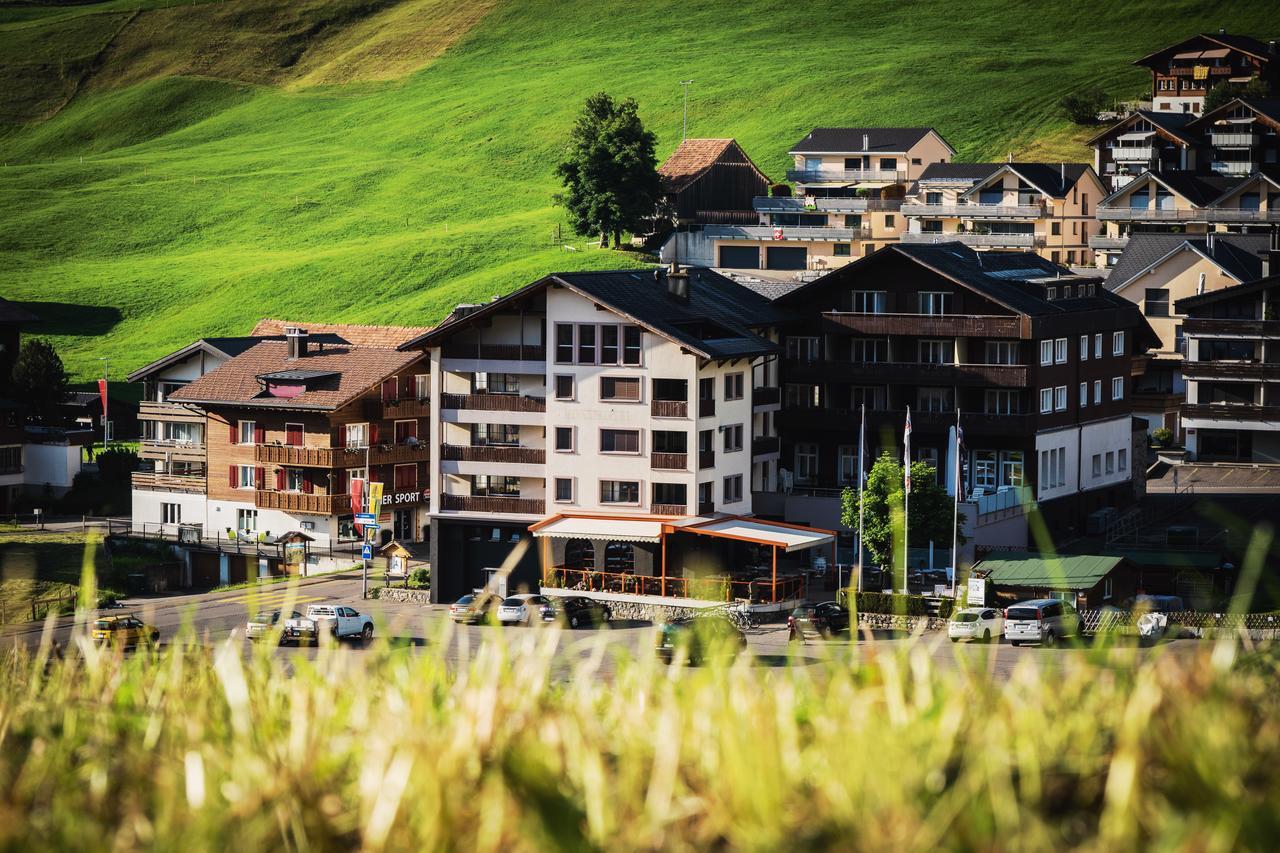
point(684, 132)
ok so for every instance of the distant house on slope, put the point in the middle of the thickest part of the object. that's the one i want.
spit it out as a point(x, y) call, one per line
point(712, 181)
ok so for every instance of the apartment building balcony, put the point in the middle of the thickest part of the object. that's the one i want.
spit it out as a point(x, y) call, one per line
point(835, 175)
point(975, 211)
point(1247, 370)
point(390, 410)
point(766, 395)
point(507, 454)
point(1202, 327)
point(193, 484)
point(669, 408)
point(766, 445)
point(495, 352)
point(706, 459)
point(1132, 153)
point(1234, 138)
point(1234, 168)
point(157, 410)
point(839, 420)
point(706, 407)
point(495, 504)
point(1232, 215)
point(305, 457)
point(170, 450)
point(969, 238)
point(804, 233)
point(706, 507)
point(1231, 411)
point(493, 402)
point(669, 461)
point(301, 502)
point(803, 204)
point(908, 372)
point(669, 509)
point(1103, 243)
point(1150, 214)
point(925, 325)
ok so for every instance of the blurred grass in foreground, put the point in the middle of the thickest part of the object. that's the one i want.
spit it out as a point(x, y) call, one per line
point(207, 748)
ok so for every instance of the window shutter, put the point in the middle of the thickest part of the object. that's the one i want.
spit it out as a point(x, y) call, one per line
point(279, 479)
point(235, 433)
point(307, 486)
point(408, 388)
point(340, 436)
point(235, 481)
point(261, 477)
point(373, 433)
point(259, 434)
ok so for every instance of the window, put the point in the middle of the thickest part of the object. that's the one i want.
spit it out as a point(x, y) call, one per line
point(1071, 261)
point(619, 492)
point(799, 396)
point(1001, 402)
point(404, 478)
point(841, 250)
point(621, 389)
point(853, 220)
point(847, 464)
point(1046, 353)
point(586, 344)
point(293, 479)
point(934, 399)
point(1111, 462)
point(564, 490)
point(733, 438)
point(1097, 464)
point(486, 485)
point(868, 301)
point(1097, 345)
point(1060, 398)
point(619, 441)
point(564, 439)
point(246, 477)
point(246, 520)
point(608, 344)
point(1097, 391)
point(1055, 228)
point(564, 343)
point(564, 387)
point(1117, 388)
point(1046, 400)
point(421, 386)
point(497, 383)
point(1002, 352)
point(933, 198)
point(935, 302)
point(733, 386)
point(1117, 343)
point(936, 352)
point(1012, 468)
point(247, 432)
point(171, 513)
point(1122, 460)
point(733, 489)
point(1084, 347)
point(802, 349)
point(483, 435)
point(806, 462)
point(1084, 394)
point(1069, 291)
point(630, 344)
point(405, 430)
point(984, 470)
point(889, 220)
point(868, 350)
point(357, 435)
point(1060, 351)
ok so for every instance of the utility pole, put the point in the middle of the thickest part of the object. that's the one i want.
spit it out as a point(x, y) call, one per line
point(102, 395)
point(368, 477)
point(684, 132)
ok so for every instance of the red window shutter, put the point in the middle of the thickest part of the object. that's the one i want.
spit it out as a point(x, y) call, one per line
point(279, 479)
point(340, 436)
point(259, 434)
point(373, 433)
point(423, 475)
point(261, 478)
point(235, 481)
point(235, 433)
point(307, 486)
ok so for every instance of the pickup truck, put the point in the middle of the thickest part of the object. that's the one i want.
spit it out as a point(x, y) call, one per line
point(333, 620)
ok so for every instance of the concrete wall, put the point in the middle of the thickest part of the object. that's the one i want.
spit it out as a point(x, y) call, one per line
point(52, 465)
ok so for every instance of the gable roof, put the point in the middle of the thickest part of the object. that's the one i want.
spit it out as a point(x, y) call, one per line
point(1183, 305)
point(226, 347)
point(1061, 571)
point(693, 157)
point(1199, 190)
point(388, 337)
point(1244, 44)
point(1267, 108)
point(888, 140)
point(1173, 125)
point(717, 322)
point(958, 171)
point(12, 312)
point(1235, 254)
point(334, 376)
point(1052, 179)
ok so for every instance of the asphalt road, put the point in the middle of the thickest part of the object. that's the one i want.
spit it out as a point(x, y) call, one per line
point(217, 616)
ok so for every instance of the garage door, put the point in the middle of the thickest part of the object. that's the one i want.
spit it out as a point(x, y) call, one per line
point(740, 257)
point(787, 257)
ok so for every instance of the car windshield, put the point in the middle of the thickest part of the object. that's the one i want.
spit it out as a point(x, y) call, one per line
point(466, 599)
point(1023, 613)
point(104, 625)
point(966, 617)
point(512, 602)
point(264, 618)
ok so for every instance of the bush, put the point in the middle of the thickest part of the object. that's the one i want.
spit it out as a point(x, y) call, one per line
point(780, 190)
point(1083, 107)
point(893, 603)
point(1162, 436)
point(420, 578)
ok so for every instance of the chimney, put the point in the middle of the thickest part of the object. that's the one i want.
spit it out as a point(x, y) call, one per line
point(1062, 176)
point(1222, 31)
point(866, 142)
point(1200, 285)
point(678, 283)
point(296, 337)
point(1208, 242)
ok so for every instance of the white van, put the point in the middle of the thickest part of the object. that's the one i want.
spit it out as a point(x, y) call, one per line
point(1041, 620)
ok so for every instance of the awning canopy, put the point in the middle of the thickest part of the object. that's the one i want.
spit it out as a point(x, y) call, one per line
point(591, 527)
point(782, 536)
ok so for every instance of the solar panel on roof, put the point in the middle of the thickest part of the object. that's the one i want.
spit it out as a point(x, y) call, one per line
point(1024, 273)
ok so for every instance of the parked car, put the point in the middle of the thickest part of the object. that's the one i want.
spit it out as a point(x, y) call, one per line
point(822, 620)
point(263, 623)
point(473, 608)
point(333, 620)
point(127, 631)
point(576, 611)
point(975, 623)
point(700, 638)
point(521, 609)
point(1041, 620)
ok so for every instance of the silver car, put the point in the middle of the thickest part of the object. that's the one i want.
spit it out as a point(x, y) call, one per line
point(522, 609)
point(1041, 620)
point(264, 623)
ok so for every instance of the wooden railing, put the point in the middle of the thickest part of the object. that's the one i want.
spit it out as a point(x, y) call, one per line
point(155, 410)
point(1230, 369)
point(493, 453)
point(398, 454)
point(716, 588)
point(399, 409)
point(669, 408)
point(1231, 411)
point(483, 503)
point(924, 325)
point(493, 402)
point(669, 461)
point(765, 395)
point(669, 509)
point(496, 352)
point(302, 502)
point(177, 451)
point(765, 444)
point(306, 457)
point(190, 483)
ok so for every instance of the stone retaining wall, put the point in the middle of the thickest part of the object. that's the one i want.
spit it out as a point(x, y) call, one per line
point(405, 596)
point(896, 622)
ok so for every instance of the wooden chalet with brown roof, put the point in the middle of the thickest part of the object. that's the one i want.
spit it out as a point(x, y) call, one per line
point(1183, 73)
point(712, 181)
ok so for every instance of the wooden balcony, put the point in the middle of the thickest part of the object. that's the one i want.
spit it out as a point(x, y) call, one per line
point(302, 503)
point(669, 509)
point(764, 445)
point(189, 483)
point(669, 461)
point(506, 505)
point(910, 372)
point(1254, 370)
point(172, 451)
point(494, 453)
point(1207, 327)
point(969, 238)
point(495, 352)
point(1231, 411)
point(391, 410)
point(669, 408)
point(706, 459)
point(766, 395)
point(975, 210)
point(393, 454)
point(302, 457)
point(845, 421)
point(925, 325)
point(154, 410)
point(493, 402)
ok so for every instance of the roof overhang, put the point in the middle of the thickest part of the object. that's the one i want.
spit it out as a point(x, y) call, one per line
point(173, 358)
point(615, 528)
point(788, 537)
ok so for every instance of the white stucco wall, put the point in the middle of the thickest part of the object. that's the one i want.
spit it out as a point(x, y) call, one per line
point(55, 465)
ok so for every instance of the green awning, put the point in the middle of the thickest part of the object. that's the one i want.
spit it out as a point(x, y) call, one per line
point(1066, 571)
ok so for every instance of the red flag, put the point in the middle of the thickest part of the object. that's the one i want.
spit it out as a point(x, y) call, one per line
point(102, 392)
point(357, 500)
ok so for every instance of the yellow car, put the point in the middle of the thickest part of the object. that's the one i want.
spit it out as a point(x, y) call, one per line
point(124, 630)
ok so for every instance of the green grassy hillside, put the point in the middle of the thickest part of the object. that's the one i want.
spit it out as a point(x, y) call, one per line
point(175, 169)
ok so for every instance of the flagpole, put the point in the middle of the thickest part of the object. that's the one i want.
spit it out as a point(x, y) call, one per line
point(862, 438)
point(906, 505)
point(955, 515)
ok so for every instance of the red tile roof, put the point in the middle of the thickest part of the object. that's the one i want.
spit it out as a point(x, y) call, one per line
point(362, 336)
point(690, 159)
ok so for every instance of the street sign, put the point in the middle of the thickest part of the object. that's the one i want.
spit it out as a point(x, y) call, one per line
point(977, 592)
point(366, 518)
point(366, 551)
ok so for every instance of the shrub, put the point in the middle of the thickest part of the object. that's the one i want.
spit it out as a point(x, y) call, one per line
point(1162, 436)
point(420, 578)
point(780, 190)
point(1083, 107)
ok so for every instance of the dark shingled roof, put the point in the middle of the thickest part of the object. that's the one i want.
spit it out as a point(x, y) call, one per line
point(841, 139)
point(1055, 179)
point(958, 171)
point(1239, 255)
point(1198, 189)
point(1188, 303)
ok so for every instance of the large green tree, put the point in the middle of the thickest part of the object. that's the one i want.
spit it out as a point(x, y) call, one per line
point(931, 510)
point(39, 379)
point(610, 171)
point(1223, 92)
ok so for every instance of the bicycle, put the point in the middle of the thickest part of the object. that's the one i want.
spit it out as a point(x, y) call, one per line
point(741, 616)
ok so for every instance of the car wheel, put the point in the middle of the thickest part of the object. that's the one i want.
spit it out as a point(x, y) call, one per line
point(606, 614)
point(955, 639)
point(1049, 639)
point(155, 636)
point(367, 633)
point(986, 636)
point(1015, 643)
point(573, 621)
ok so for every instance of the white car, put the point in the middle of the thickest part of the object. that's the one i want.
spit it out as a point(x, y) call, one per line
point(265, 622)
point(522, 609)
point(975, 623)
point(1041, 620)
point(329, 620)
